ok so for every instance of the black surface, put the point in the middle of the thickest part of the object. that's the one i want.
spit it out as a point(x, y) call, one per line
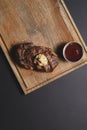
point(61, 105)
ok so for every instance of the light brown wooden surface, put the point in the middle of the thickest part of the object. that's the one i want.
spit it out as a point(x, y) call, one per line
point(44, 22)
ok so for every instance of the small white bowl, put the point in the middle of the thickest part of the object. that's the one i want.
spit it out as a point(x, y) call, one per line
point(73, 51)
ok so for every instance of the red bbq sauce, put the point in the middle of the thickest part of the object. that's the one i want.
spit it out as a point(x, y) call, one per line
point(73, 52)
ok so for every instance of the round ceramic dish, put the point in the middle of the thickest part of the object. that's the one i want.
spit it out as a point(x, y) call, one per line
point(72, 52)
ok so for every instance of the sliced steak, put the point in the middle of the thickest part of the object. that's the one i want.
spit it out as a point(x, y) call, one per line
point(34, 57)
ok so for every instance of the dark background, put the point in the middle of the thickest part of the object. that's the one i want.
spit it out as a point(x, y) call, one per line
point(61, 105)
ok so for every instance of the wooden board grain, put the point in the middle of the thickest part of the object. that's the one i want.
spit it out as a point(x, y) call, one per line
point(47, 23)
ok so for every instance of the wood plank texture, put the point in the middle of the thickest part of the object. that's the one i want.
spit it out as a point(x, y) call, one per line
point(44, 22)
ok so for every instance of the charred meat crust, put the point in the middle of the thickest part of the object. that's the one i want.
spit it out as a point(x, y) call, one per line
point(24, 55)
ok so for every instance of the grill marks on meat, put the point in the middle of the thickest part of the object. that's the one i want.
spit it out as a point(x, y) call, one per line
point(24, 55)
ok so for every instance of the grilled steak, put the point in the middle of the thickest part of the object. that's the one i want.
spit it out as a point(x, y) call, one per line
point(34, 57)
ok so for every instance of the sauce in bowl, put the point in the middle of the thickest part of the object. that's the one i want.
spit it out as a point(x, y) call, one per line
point(72, 52)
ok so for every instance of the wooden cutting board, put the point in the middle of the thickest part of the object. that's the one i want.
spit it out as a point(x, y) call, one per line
point(44, 22)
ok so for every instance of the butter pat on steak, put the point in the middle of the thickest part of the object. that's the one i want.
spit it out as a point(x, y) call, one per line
point(33, 57)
